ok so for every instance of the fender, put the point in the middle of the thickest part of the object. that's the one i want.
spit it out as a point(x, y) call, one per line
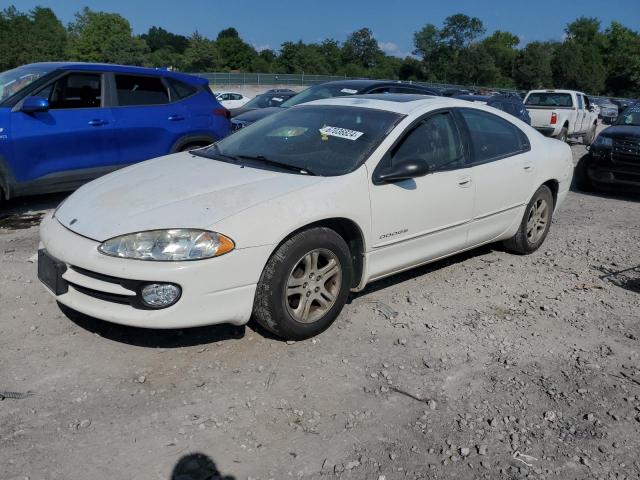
point(187, 139)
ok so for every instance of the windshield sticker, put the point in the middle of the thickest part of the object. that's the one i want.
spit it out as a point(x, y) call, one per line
point(350, 91)
point(340, 133)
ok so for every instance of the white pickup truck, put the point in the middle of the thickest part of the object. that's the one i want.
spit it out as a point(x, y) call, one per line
point(562, 114)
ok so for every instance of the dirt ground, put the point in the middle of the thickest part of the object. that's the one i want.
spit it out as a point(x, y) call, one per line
point(486, 365)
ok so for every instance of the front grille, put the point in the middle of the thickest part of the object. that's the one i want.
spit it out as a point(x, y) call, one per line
point(626, 151)
point(107, 297)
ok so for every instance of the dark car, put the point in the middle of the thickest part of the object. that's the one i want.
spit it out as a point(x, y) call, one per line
point(280, 90)
point(265, 100)
point(614, 157)
point(338, 88)
point(63, 124)
point(608, 111)
point(507, 103)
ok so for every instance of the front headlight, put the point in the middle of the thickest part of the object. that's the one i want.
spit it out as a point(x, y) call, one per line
point(168, 245)
point(603, 141)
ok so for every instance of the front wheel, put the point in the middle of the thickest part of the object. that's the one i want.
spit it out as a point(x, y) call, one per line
point(304, 285)
point(535, 223)
point(587, 138)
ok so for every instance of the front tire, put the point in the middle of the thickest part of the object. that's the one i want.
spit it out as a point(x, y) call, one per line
point(535, 223)
point(304, 285)
point(588, 137)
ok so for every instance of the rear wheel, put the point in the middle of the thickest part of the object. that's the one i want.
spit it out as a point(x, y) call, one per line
point(192, 146)
point(304, 285)
point(535, 223)
point(563, 135)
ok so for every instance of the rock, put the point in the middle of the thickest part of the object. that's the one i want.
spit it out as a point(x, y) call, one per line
point(86, 423)
point(432, 404)
point(482, 449)
point(464, 451)
point(352, 465)
point(550, 416)
point(141, 379)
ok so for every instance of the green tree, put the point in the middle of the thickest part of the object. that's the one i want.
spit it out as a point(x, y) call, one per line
point(532, 66)
point(579, 62)
point(622, 59)
point(104, 37)
point(502, 47)
point(361, 48)
point(235, 54)
point(201, 55)
point(157, 38)
point(460, 30)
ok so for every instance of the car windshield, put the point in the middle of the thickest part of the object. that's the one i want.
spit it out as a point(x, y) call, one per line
point(549, 99)
point(316, 139)
point(12, 81)
point(631, 116)
point(318, 92)
point(265, 100)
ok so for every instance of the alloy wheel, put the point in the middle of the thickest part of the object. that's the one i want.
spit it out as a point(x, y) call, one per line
point(537, 221)
point(313, 285)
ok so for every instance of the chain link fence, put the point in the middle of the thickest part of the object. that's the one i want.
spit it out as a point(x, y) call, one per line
point(302, 80)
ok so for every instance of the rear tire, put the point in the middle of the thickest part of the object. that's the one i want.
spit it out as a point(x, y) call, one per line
point(563, 135)
point(535, 223)
point(304, 285)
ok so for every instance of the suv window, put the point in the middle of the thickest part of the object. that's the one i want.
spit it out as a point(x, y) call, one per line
point(76, 90)
point(182, 90)
point(492, 136)
point(435, 140)
point(140, 90)
point(580, 102)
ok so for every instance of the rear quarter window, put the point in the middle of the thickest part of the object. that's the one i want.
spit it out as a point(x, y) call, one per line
point(140, 90)
point(182, 90)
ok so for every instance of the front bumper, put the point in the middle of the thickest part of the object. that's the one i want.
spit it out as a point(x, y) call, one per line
point(609, 167)
point(217, 290)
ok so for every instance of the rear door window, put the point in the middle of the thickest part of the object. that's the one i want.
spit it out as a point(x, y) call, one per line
point(492, 137)
point(140, 90)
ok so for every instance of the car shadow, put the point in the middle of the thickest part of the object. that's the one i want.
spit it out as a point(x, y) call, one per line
point(154, 338)
point(628, 278)
point(197, 466)
point(25, 212)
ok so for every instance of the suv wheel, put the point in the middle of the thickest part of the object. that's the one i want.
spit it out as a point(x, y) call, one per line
point(304, 285)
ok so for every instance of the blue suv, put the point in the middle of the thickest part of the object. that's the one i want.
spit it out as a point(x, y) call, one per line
point(63, 124)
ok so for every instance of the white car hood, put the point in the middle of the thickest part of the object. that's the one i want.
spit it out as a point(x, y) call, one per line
point(176, 191)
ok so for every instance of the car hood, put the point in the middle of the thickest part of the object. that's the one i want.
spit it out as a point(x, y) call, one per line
point(176, 191)
point(255, 115)
point(626, 131)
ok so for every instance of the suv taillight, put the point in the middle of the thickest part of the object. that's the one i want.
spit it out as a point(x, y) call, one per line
point(554, 118)
point(223, 112)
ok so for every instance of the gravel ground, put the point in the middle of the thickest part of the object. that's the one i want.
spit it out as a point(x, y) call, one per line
point(486, 365)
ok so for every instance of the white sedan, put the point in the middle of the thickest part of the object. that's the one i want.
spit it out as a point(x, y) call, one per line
point(281, 220)
point(231, 100)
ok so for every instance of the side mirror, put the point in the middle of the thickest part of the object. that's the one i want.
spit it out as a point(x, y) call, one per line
point(402, 171)
point(34, 104)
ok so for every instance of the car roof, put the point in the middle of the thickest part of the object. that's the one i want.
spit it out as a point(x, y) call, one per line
point(392, 102)
point(109, 67)
point(552, 90)
point(362, 84)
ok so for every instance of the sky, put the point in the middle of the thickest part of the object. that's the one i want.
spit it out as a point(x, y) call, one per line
point(266, 24)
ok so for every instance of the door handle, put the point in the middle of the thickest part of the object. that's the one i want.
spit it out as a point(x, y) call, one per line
point(527, 167)
point(175, 118)
point(97, 122)
point(464, 182)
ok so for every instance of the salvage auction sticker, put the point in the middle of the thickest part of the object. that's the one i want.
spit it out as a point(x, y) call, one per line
point(341, 133)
